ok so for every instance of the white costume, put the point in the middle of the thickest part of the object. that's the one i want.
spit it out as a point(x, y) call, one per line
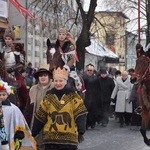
point(9, 56)
point(13, 121)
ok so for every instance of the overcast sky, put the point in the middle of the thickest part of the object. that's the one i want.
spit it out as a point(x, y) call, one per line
point(98, 8)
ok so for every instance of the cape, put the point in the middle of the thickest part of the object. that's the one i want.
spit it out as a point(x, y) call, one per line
point(14, 121)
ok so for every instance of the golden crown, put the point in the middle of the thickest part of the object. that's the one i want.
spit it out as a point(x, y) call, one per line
point(63, 73)
point(90, 67)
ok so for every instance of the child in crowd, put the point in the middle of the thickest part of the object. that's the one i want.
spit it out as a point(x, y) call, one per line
point(13, 125)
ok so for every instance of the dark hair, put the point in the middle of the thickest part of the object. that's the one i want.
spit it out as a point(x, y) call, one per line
point(22, 70)
point(118, 72)
point(29, 63)
point(131, 70)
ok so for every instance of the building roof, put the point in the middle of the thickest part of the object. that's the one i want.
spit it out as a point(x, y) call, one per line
point(113, 12)
point(98, 49)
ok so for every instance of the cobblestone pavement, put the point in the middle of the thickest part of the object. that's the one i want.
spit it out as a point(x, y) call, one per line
point(113, 137)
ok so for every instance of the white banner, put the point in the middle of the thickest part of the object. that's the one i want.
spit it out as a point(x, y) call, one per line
point(3, 8)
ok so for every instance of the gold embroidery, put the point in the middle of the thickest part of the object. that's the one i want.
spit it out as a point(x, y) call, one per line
point(62, 102)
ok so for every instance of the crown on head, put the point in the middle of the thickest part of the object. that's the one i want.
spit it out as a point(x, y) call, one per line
point(90, 66)
point(62, 73)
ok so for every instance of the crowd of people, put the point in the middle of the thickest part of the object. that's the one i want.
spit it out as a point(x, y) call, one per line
point(110, 95)
point(55, 107)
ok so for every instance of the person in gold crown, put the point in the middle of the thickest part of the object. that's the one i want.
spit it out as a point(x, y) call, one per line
point(61, 114)
point(63, 54)
point(91, 103)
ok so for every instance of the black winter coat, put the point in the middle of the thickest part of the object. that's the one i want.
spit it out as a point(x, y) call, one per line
point(106, 86)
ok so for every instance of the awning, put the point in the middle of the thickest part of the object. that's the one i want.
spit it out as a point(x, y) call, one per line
point(98, 49)
point(111, 60)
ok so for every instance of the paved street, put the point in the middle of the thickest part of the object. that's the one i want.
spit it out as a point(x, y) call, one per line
point(113, 138)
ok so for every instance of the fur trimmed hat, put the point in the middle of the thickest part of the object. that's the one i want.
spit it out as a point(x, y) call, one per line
point(62, 30)
point(9, 33)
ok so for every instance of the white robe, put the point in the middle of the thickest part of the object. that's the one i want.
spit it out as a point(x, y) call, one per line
point(13, 121)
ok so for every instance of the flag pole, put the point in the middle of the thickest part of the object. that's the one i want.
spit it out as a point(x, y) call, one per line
point(139, 38)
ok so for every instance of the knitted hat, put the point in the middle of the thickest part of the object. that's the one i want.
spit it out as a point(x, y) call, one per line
point(41, 70)
point(4, 87)
point(61, 73)
point(9, 33)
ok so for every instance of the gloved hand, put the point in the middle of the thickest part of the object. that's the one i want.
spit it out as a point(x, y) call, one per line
point(18, 143)
point(113, 100)
point(9, 70)
point(19, 135)
point(80, 137)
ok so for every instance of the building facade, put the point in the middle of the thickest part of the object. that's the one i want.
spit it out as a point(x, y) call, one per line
point(110, 29)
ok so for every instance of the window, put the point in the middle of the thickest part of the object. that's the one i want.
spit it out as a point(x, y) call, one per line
point(110, 39)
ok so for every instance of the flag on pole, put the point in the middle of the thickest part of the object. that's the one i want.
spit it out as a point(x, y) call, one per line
point(24, 12)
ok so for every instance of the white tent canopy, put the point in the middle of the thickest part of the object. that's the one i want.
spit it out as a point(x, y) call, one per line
point(96, 48)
